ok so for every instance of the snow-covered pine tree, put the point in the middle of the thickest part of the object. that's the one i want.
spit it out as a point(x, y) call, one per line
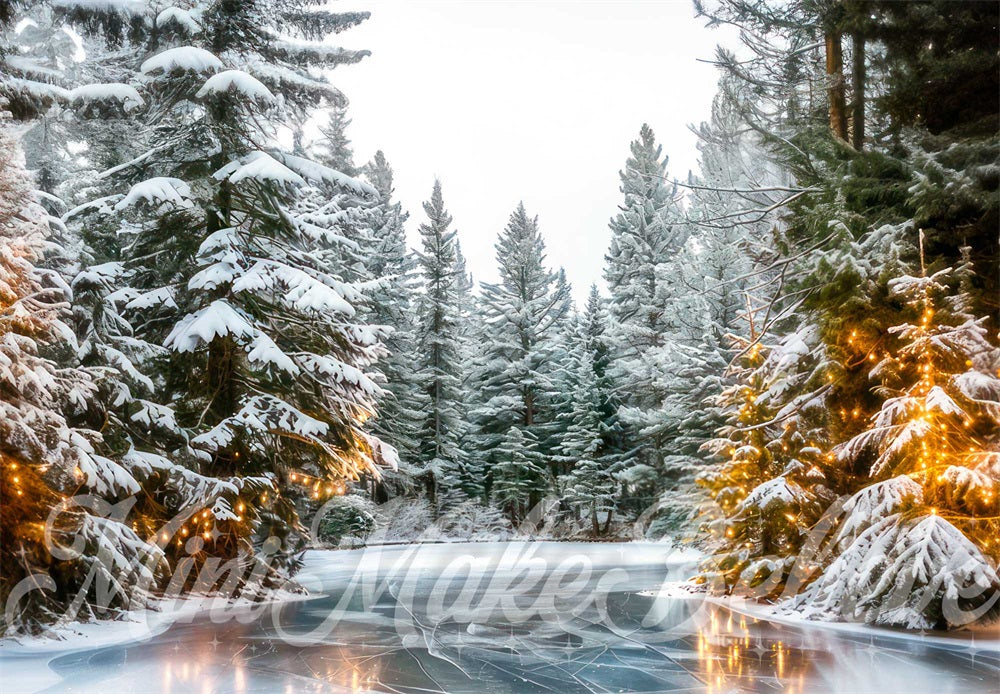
point(708, 278)
point(470, 342)
point(43, 460)
point(771, 485)
point(440, 367)
point(519, 478)
point(393, 303)
point(587, 442)
point(522, 314)
point(333, 148)
point(647, 236)
point(232, 263)
point(936, 435)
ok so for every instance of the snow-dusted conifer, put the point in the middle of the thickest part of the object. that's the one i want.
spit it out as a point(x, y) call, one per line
point(43, 460)
point(523, 315)
point(519, 478)
point(333, 148)
point(234, 267)
point(440, 354)
point(393, 303)
point(643, 275)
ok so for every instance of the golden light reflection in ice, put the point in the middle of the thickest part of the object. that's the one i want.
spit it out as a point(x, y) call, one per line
point(729, 658)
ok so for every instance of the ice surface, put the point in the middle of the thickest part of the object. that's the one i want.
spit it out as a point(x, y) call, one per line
point(499, 617)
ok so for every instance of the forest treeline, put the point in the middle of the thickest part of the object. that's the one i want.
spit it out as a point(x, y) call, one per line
point(212, 324)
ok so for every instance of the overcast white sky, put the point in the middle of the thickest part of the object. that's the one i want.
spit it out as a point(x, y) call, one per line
point(535, 101)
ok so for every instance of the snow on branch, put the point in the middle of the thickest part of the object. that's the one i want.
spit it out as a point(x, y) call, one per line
point(238, 82)
point(219, 319)
point(262, 167)
point(122, 94)
point(293, 287)
point(181, 59)
point(161, 190)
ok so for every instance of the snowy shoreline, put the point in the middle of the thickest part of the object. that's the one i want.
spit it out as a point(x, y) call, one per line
point(982, 638)
point(138, 625)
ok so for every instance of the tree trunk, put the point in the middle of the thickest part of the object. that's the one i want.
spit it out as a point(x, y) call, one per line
point(858, 87)
point(835, 88)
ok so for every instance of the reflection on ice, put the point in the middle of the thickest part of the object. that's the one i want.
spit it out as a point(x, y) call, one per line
point(512, 617)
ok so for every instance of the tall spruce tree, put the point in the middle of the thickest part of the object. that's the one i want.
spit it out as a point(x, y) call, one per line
point(393, 302)
point(333, 148)
point(643, 274)
point(440, 350)
point(234, 269)
point(592, 437)
point(523, 315)
point(104, 564)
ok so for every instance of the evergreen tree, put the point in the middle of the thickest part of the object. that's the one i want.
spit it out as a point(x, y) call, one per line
point(644, 276)
point(645, 235)
point(523, 314)
point(518, 477)
point(333, 149)
point(393, 301)
point(43, 459)
point(931, 516)
point(235, 269)
point(440, 366)
point(770, 487)
point(587, 443)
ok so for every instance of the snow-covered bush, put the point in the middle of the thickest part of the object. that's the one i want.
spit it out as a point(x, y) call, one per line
point(349, 516)
point(917, 573)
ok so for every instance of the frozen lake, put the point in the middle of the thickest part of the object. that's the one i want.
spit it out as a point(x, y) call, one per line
point(504, 617)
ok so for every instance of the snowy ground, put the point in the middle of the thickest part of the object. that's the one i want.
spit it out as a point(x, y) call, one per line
point(501, 617)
